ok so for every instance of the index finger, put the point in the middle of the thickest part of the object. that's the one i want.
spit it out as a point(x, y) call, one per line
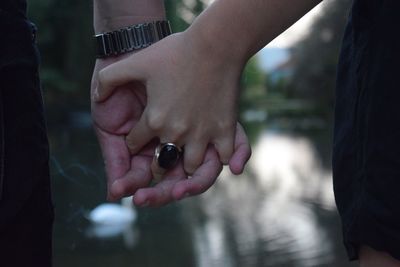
point(116, 157)
point(202, 179)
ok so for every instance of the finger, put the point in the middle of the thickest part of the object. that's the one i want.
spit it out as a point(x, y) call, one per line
point(242, 151)
point(139, 176)
point(193, 156)
point(117, 74)
point(116, 157)
point(154, 196)
point(161, 193)
point(138, 137)
point(204, 177)
point(225, 148)
point(157, 171)
point(165, 158)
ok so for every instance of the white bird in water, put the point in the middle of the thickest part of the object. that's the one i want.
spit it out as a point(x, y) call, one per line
point(110, 220)
point(114, 214)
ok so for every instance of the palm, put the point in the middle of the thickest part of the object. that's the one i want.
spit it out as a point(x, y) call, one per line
point(121, 111)
point(113, 120)
point(127, 174)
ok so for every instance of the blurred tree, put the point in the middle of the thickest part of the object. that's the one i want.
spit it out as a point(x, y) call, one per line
point(65, 40)
point(316, 58)
point(177, 23)
point(252, 108)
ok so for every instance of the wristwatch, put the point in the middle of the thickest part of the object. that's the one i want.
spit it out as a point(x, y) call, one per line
point(131, 38)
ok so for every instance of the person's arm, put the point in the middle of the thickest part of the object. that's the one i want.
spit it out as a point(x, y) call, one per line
point(238, 29)
point(110, 15)
point(192, 78)
point(113, 119)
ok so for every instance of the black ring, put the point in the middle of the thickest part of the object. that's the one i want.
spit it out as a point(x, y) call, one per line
point(167, 155)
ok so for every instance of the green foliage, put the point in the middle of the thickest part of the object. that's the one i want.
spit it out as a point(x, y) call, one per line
point(65, 41)
point(252, 75)
point(177, 23)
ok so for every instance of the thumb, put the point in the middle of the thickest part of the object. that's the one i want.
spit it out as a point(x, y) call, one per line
point(118, 74)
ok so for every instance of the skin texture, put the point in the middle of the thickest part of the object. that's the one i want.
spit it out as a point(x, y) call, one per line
point(130, 174)
point(192, 124)
point(184, 90)
point(370, 257)
point(111, 15)
point(192, 78)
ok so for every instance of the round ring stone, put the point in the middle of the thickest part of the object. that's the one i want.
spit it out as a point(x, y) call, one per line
point(168, 155)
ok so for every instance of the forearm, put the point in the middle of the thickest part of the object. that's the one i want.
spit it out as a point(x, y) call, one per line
point(240, 28)
point(114, 14)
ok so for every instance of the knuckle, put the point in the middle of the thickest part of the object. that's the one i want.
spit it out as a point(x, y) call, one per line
point(180, 127)
point(155, 122)
point(177, 130)
point(225, 125)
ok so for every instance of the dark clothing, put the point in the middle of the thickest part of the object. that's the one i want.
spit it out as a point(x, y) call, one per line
point(14, 7)
point(26, 212)
point(366, 159)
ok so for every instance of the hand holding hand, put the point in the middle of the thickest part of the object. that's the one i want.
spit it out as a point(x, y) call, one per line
point(191, 97)
point(128, 175)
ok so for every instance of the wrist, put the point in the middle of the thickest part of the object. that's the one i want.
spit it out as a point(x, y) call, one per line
point(115, 23)
point(131, 38)
point(110, 15)
point(216, 41)
point(207, 47)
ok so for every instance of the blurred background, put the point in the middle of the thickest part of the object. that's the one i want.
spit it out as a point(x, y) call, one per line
point(280, 212)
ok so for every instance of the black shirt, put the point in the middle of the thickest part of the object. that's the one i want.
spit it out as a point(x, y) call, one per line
point(366, 152)
point(17, 7)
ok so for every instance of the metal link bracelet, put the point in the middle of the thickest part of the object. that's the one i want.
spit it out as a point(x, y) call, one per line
point(131, 38)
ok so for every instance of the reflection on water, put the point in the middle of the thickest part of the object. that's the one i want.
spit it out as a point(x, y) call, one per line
point(100, 231)
point(280, 212)
point(288, 168)
point(109, 220)
point(269, 211)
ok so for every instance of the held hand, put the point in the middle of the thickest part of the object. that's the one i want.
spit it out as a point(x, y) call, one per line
point(113, 119)
point(128, 175)
point(175, 184)
point(191, 97)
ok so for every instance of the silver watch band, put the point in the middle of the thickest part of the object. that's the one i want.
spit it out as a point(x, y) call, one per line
point(131, 38)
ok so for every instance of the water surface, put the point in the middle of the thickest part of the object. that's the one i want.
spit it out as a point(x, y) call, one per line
point(280, 212)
